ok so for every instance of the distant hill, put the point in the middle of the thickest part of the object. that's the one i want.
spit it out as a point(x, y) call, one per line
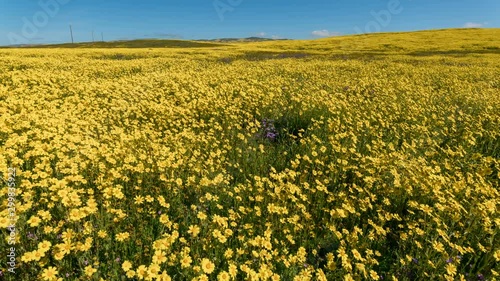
point(140, 43)
point(237, 40)
point(148, 43)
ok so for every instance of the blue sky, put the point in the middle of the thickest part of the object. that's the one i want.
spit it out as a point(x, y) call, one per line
point(47, 21)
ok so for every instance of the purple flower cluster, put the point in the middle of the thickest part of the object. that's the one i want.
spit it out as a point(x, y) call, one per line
point(268, 130)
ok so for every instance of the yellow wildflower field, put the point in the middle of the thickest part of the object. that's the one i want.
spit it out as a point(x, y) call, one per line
point(368, 157)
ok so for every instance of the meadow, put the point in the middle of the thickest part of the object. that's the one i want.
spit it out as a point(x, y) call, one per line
point(367, 157)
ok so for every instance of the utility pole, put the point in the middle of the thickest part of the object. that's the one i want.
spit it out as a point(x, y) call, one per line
point(102, 36)
point(71, 32)
point(92, 36)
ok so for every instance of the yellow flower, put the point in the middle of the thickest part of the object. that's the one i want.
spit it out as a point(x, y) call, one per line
point(65, 247)
point(75, 215)
point(361, 268)
point(320, 275)
point(164, 277)
point(164, 219)
point(37, 255)
point(159, 257)
point(122, 236)
point(228, 253)
point(34, 221)
point(203, 277)
point(68, 235)
point(59, 255)
point(102, 234)
point(194, 230)
point(348, 277)
point(50, 273)
point(89, 270)
point(233, 270)
point(4, 222)
point(178, 181)
point(207, 266)
point(45, 215)
point(438, 246)
point(451, 269)
point(48, 229)
point(44, 246)
point(357, 255)
point(126, 265)
point(496, 255)
point(186, 261)
point(153, 271)
point(142, 271)
point(130, 274)
point(27, 257)
point(139, 199)
point(223, 276)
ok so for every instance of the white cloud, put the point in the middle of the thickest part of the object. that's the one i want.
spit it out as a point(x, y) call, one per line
point(473, 25)
point(261, 34)
point(325, 33)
